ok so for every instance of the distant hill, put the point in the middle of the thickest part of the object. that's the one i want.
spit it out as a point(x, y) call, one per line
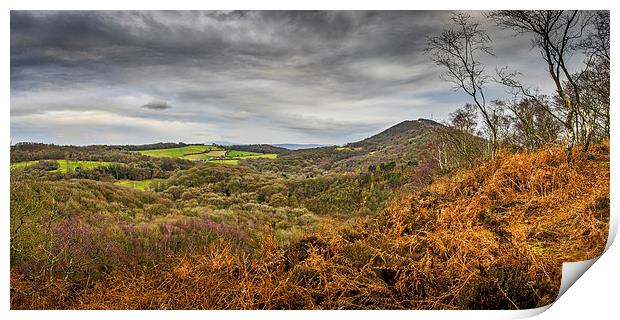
point(298, 146)
point(406, 132)
point(406, 144)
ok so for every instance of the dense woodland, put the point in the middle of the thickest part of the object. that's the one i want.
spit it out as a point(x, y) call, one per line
point(260, 148)
point(478, 212)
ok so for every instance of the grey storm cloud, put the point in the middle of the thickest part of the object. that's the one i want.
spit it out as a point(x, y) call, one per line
point(242, 76)
point(157, 105)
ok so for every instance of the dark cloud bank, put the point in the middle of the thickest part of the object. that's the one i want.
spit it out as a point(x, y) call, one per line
point(157, 105)
point(248, 77)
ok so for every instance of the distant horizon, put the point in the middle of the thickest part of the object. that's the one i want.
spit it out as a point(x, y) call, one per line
point(226, 143)
point(177, 142)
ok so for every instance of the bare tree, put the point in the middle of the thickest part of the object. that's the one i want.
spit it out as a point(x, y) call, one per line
point(458, 50)
point(595, 87)
point(557, 35)
point(597, 42)
point(464, 119)
point(459, 139)
point(595, 80)
point(532, 124)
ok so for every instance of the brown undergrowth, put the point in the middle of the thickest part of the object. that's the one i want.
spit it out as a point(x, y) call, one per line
point(494, 237)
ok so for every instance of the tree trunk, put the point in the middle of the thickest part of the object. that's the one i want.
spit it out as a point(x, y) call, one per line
point(589, 130)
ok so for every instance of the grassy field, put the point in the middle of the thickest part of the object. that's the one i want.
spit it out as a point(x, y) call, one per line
point(226, 161)
point(65, 165)
point(240, 154)
point(23, 164)
point(344, 149)
point(205, 156)
point(207, 153)
point(177, 152)
point(139, 184)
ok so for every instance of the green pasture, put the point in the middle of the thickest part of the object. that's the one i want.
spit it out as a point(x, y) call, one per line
point(147, 184)
point(177, 152)
point(66, 165)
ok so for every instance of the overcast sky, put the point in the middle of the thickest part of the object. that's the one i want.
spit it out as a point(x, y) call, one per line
point(244, 77)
